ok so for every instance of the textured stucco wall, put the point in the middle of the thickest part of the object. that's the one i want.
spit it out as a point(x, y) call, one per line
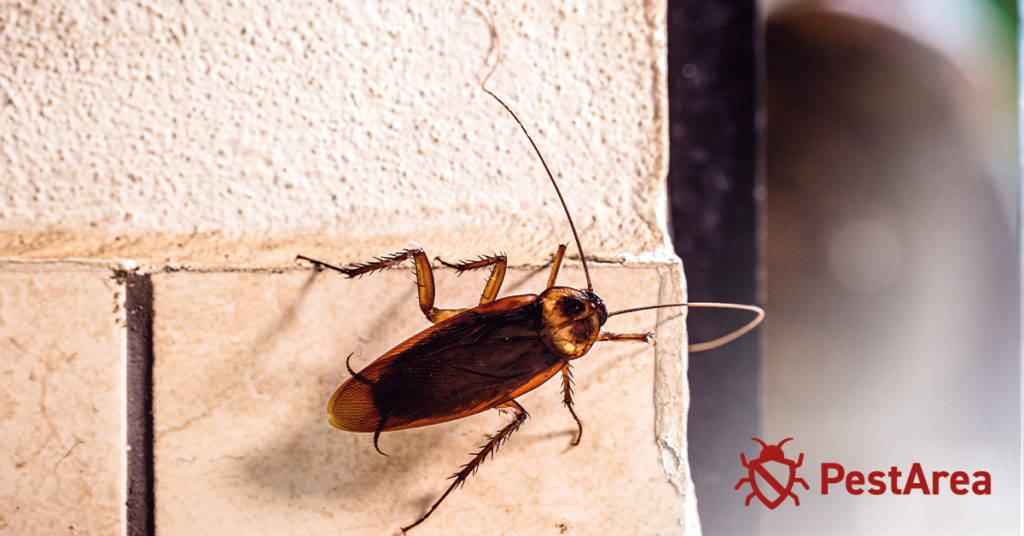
point(241, 133)
point(227, 137)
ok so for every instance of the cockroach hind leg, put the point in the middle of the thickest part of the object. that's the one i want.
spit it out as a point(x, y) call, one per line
point(385, 261)
point(319, 265)
point(489, 448)
point(424, 279)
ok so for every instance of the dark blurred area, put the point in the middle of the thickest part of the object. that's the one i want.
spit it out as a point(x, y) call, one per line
point(888, 236)
point(713, 99)
point(892, 273)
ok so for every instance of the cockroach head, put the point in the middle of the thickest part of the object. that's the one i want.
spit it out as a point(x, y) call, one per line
point(602, 311)
point(572, 320)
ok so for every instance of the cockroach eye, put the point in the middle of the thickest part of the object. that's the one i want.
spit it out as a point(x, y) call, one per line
point(571, 307)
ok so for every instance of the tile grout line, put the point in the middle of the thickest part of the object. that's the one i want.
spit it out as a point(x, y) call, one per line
point(139, 345)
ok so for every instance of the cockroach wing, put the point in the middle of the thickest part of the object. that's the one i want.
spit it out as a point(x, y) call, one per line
point(466, 364)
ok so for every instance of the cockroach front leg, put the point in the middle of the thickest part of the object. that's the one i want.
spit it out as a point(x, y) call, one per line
point(567, 400)
point(567, 371)
point(499, 262)
point(424, 277)
point(646, 337)
point(556, 264)
point(519, 415)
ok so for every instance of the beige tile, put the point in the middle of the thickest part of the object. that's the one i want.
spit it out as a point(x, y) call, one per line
point(245, 364)
point(62, 376)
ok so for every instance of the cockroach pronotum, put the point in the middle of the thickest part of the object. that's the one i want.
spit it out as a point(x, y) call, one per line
point(483, 357)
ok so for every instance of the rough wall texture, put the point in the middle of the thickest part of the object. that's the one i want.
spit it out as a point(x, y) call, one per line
point(227, 137)
point(244, 132)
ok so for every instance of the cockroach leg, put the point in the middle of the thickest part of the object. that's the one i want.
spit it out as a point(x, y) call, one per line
point(519, 415)
point(320, 265)
point(567, 400)
point(424, 277)
point(482, 262)
point(500, 263)
point(379, 263)
point(646, 337)
point(556, 264)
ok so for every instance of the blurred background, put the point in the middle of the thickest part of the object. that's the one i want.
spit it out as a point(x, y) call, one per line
point(891, 255)
point(888, 188)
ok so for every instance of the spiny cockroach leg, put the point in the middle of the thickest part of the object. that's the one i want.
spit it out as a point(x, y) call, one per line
point(519, 416)
point(424, 277)
point(500, 263)
point(556, 264)
point(567, 400)
point(362, 268)
point(646, 337)
point(320, 265)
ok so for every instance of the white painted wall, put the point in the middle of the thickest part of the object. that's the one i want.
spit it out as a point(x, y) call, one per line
point(228, 133)
point(227, 137)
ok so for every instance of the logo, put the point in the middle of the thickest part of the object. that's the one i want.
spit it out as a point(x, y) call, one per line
point(764, 471)
point(772, 477)
point(959, 482)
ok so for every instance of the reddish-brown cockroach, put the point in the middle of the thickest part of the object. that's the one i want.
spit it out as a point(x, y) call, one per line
point(483, 357)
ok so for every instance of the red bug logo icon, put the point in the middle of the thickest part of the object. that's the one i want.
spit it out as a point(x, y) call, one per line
point(762, 471)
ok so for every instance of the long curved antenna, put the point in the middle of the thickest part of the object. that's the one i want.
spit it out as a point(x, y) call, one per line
point(763, 445)
point(483, 86)
point(714, 343)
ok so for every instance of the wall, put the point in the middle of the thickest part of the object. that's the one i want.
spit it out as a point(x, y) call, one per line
point(201, 146)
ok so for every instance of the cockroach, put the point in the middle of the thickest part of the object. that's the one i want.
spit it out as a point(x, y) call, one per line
point(484, 357)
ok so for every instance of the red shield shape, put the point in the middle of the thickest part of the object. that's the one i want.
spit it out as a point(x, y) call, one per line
point(772, 481)
point(771, 475)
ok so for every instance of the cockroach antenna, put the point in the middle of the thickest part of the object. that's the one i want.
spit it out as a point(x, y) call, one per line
point(697, 347)
point(483, 86)
point(714, 343)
